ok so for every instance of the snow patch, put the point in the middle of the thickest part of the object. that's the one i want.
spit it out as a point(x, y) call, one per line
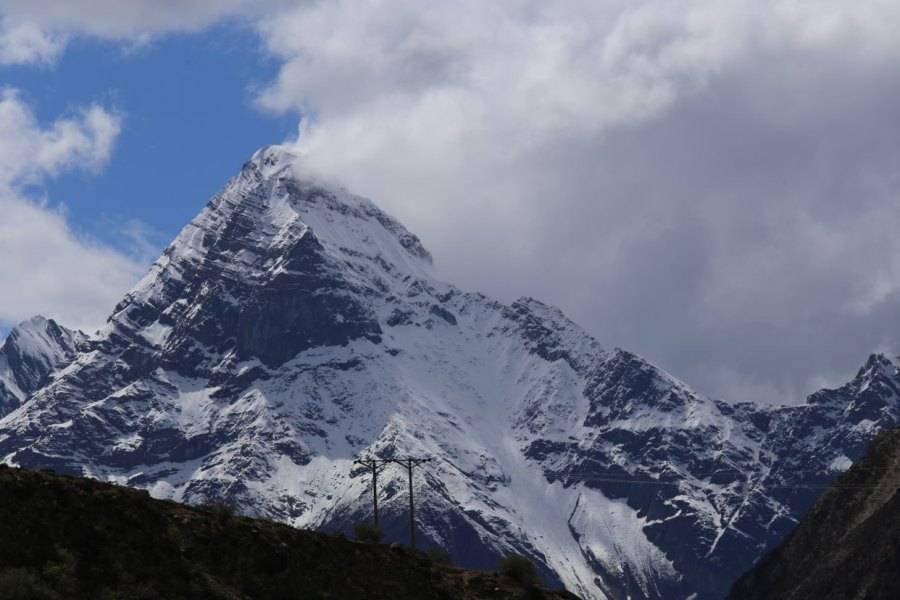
point(610, 532)
point(840, 464)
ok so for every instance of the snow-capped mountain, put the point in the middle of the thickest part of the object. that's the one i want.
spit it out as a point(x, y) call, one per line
point(32, 352)
point(292, 327)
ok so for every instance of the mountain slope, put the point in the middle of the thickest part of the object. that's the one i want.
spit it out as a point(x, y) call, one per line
point(293, 326)
point(79, 538)
point(847, 545)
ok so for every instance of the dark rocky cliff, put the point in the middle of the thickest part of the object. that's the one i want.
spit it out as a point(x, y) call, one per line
point(848, 545)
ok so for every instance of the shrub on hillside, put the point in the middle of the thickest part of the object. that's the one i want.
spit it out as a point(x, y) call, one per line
point(368, 532)
point(439, 556)
point(221, 510)
point(61, 574)
point(22, 584)
point(519, 568)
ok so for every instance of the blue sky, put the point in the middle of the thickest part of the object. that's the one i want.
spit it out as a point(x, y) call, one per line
point(189, 121)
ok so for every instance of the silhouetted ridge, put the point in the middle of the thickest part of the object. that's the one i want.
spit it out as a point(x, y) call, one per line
point(68, 539)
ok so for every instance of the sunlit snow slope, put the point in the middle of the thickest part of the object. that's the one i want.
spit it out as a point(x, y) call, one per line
point(292, 327)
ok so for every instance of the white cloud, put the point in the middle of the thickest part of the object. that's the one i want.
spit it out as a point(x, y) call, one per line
point(49, 269)
point(36, 31)
point(29, 153)
point(24, 43)
point(46, 267)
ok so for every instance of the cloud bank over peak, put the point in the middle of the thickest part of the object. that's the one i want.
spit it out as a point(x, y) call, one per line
point(709, 183)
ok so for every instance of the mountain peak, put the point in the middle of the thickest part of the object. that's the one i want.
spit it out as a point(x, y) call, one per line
point(273, 256)
point(33, 350)
point(877, 364)
point(273, 159)
point(40, 335)
point(34, 322)
point(283, 202)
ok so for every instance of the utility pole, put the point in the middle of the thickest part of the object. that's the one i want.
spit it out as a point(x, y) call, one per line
point(410, 464)
point(372, 464)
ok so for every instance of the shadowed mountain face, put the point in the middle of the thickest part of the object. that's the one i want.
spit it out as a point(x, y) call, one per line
point(292, 327)
point(847, 545)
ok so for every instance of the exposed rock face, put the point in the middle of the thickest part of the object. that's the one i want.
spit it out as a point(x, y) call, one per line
point(293, 326)
point(847, 545)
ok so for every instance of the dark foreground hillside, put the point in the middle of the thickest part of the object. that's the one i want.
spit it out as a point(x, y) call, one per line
point(848, 546)
point(64, 537)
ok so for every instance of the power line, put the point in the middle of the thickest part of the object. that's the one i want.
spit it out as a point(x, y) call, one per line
point(678, 483)
point(775, 472)
point(775, 468)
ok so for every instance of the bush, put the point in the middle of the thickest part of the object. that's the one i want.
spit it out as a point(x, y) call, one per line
point(22, 584)
point(519, 568)
point(440, 556)
point(368, 532)
point(61, 573)
point(222, 511)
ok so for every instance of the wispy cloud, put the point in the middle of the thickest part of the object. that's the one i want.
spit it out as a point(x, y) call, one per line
point(27, 43)
point(30, 152)
point(37, 31)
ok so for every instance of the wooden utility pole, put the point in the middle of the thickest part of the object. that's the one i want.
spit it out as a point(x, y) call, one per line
point(372, 464)
point(410, 464)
